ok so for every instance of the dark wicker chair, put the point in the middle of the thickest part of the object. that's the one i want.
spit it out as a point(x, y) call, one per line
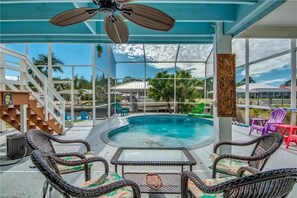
point(38, 139)
point(268, 184)
point(47, 164)
point(265, 146)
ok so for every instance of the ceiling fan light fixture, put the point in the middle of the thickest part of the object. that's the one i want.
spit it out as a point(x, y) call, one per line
point(115, 27)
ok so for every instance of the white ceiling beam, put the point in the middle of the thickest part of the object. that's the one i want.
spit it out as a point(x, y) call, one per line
point(269, 32)
point(248, 2)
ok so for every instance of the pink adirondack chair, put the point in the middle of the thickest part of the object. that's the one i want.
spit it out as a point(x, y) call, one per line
point(265, 125)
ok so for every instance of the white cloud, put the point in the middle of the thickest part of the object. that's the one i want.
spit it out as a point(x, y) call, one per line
point(132, 51)
point(238, 48)
point(278, 63)
point(197, 69)
point(274, 81)
point(194, 52)
point(135, 52)
point(259, 48)
point(162, 65)
point(15, 78)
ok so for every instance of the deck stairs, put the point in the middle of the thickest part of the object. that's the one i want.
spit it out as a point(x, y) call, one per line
point(28, 101)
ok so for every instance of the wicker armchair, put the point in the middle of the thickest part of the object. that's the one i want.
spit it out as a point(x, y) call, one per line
point(228, 164)
point(38, 139)
point(269, 184)
point(109, 184)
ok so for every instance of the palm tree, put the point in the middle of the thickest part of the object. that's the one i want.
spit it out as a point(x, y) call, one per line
point(162, 88)
point(242, 82)
point(43, 60)
point(186, 89)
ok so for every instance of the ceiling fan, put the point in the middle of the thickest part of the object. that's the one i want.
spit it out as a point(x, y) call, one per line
point(114, 25)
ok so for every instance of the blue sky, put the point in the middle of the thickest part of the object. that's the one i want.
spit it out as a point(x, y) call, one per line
point(274, 77)
point(273, 72)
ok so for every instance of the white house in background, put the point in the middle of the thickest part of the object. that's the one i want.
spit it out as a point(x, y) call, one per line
point(259, 90)
point(136, 88)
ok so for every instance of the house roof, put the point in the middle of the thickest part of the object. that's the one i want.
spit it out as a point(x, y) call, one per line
point(131, 86)
point(136, 86)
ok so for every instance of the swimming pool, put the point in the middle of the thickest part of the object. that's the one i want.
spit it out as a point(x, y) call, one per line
point(162, 131)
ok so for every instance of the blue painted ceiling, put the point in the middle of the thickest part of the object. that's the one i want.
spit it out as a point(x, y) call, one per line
point(27, 20)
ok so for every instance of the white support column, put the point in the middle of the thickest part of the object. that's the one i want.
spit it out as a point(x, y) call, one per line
point(205, 74)
point(23, 108)
point(174, 86)
point(293, 80)
point(27, 49)
point(49, 62)
point(2, 70)
point(2, 85)
point(23, 118)
point(174, 91)
point(72, 96)
point(50, 79)
point(145, 92)
point(108, 85)
point(247, 82)
point(93, 84)
point(222, 126)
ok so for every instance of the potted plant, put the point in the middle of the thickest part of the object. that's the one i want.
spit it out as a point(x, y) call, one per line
point(99, 50)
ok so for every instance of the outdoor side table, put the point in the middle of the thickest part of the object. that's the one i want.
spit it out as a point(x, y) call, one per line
point(127, 156)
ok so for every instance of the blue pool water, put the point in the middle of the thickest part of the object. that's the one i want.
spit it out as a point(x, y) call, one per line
point(163, 131)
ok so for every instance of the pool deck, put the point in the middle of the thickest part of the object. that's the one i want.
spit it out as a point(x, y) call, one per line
point(21, 181)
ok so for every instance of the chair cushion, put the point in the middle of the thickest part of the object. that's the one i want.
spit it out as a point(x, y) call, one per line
point(199, 194)
point(227, 166)
point(68, 169)
point(125, 192)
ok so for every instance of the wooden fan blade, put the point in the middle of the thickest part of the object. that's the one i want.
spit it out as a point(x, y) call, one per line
point(116, 29)
point(123, 1)
point(148, 17)
point(73, 16)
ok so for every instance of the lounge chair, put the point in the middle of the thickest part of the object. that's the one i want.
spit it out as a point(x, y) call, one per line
point(120, 110)
point(109, 184)
point(199, 109)
point(266, 125)
point(198, 113)
point(269, 184)
point(84, 115)
point(67, 117)
point(229, 164)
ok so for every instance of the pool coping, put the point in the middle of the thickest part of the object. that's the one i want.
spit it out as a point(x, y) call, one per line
point(124, 123)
